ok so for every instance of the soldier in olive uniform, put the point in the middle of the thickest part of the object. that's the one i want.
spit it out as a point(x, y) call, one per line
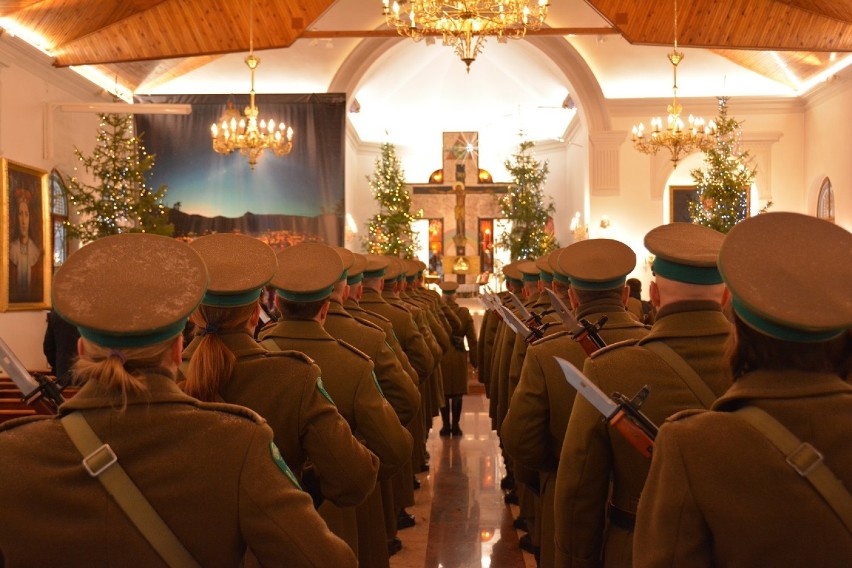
point(225, 363)
point(409, 337)
point(305, 279)
point(721, 490)
point(455, 363)
point(403, 489)
point(590, 277)
point(600, 475)
point(211, 472)
point(394, 282)
point(396, 385)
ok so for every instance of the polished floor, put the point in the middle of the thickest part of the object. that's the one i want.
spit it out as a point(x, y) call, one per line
point(462, 520)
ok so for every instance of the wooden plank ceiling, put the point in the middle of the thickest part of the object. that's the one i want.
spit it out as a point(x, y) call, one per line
point(152, 41)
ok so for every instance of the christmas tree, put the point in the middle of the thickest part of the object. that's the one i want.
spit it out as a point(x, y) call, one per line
point(390, 230)
point(121, 202)
point(723, 188)
point(524, 206)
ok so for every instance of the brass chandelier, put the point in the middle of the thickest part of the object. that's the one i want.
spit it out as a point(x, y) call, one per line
point(245, 133)
point(464, 24)
point(678, 137)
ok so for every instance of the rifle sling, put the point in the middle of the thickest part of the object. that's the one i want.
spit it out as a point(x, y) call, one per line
point(805, 459)
point(102, 463)
point(684, 370)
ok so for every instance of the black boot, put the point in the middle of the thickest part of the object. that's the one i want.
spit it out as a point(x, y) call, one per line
point(445, 418)
point(457, 406)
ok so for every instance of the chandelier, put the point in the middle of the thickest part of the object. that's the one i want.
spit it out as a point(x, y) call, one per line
point(245, 133)
point(677, 137)
point(464, 24)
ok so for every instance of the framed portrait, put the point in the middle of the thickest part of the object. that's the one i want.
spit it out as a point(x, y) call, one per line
point(25, 271)
point(679, 199)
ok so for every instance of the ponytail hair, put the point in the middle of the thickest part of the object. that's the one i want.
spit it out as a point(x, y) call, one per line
point(120, 371)
point(212, 363)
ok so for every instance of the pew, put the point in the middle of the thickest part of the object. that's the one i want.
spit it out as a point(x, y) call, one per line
point(13, 406)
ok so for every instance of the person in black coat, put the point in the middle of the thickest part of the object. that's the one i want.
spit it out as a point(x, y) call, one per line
point(60, 347)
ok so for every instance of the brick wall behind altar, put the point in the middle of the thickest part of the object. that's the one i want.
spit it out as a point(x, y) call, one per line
point(478, 204)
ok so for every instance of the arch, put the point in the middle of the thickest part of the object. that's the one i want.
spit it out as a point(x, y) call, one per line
point(58, 217)
point(825, 201)
point(590, 101)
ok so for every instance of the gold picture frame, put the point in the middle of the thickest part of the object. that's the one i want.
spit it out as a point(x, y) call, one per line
point(25, 232)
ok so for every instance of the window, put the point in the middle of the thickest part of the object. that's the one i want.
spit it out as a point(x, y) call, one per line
point(58, 216)
point(825, 201)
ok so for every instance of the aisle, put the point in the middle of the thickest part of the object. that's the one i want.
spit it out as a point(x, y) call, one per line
point(462, 521)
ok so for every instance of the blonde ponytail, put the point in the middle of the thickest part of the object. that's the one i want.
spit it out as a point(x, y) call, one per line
point(120, 371)
point(212, 363)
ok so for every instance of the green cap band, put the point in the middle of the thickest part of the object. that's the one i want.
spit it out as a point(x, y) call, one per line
point(411, 278)
point(230, 300)
point(779, 331)
point(546, 276)
point(607, 285)
point(109, 340)
point(510, 280)
point(375, 273)
point(355, 279)
point(689, 274)
point(530, 277)
point(306, 296)
point(343, 275)
point(560, 278)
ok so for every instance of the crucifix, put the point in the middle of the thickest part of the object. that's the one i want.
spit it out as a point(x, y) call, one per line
point(461, 163)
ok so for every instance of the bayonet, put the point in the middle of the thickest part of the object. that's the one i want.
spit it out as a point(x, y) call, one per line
point(618, 411)
point(36, 389)
point(519, 327)
point(583, 331)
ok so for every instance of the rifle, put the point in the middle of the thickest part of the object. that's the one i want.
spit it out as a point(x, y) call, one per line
point(620, 412)
point(583, 331)
point(38, 391)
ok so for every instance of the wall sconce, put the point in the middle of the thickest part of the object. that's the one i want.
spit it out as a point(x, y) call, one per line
point(355, 106)
point(605, 222)
point(580, 230)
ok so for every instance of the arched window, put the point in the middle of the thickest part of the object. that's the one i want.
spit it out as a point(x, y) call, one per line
point(825, 201)
point(58, 216)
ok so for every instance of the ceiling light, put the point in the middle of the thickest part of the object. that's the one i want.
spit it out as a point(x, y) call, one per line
point(246, 134)
point(677, 137)
point(464, 24)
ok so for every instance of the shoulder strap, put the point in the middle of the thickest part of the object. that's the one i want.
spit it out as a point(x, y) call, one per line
point(102, 463)
point(805, 459)
point(693, 381)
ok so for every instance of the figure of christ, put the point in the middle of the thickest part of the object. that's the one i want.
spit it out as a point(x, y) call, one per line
point(458, 189)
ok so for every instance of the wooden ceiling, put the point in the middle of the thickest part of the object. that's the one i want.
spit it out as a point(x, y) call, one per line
point(799, 25)
point(153, 41)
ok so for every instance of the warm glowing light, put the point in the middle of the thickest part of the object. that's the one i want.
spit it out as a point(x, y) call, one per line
point(464, 24)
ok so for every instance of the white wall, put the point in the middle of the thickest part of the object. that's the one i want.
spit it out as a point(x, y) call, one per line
point(828, 116)
point(31, 135)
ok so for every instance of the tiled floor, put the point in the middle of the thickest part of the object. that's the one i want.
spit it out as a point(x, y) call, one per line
point(461, 518)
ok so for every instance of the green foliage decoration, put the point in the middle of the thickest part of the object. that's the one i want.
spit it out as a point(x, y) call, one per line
point(390, 230)
point(525, 206)
point(723, 187)
point(121, 201)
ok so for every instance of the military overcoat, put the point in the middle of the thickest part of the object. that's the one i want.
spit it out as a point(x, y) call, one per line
point(208, 469)
point(286, 389)
point(593, 453)
point(720, 494)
